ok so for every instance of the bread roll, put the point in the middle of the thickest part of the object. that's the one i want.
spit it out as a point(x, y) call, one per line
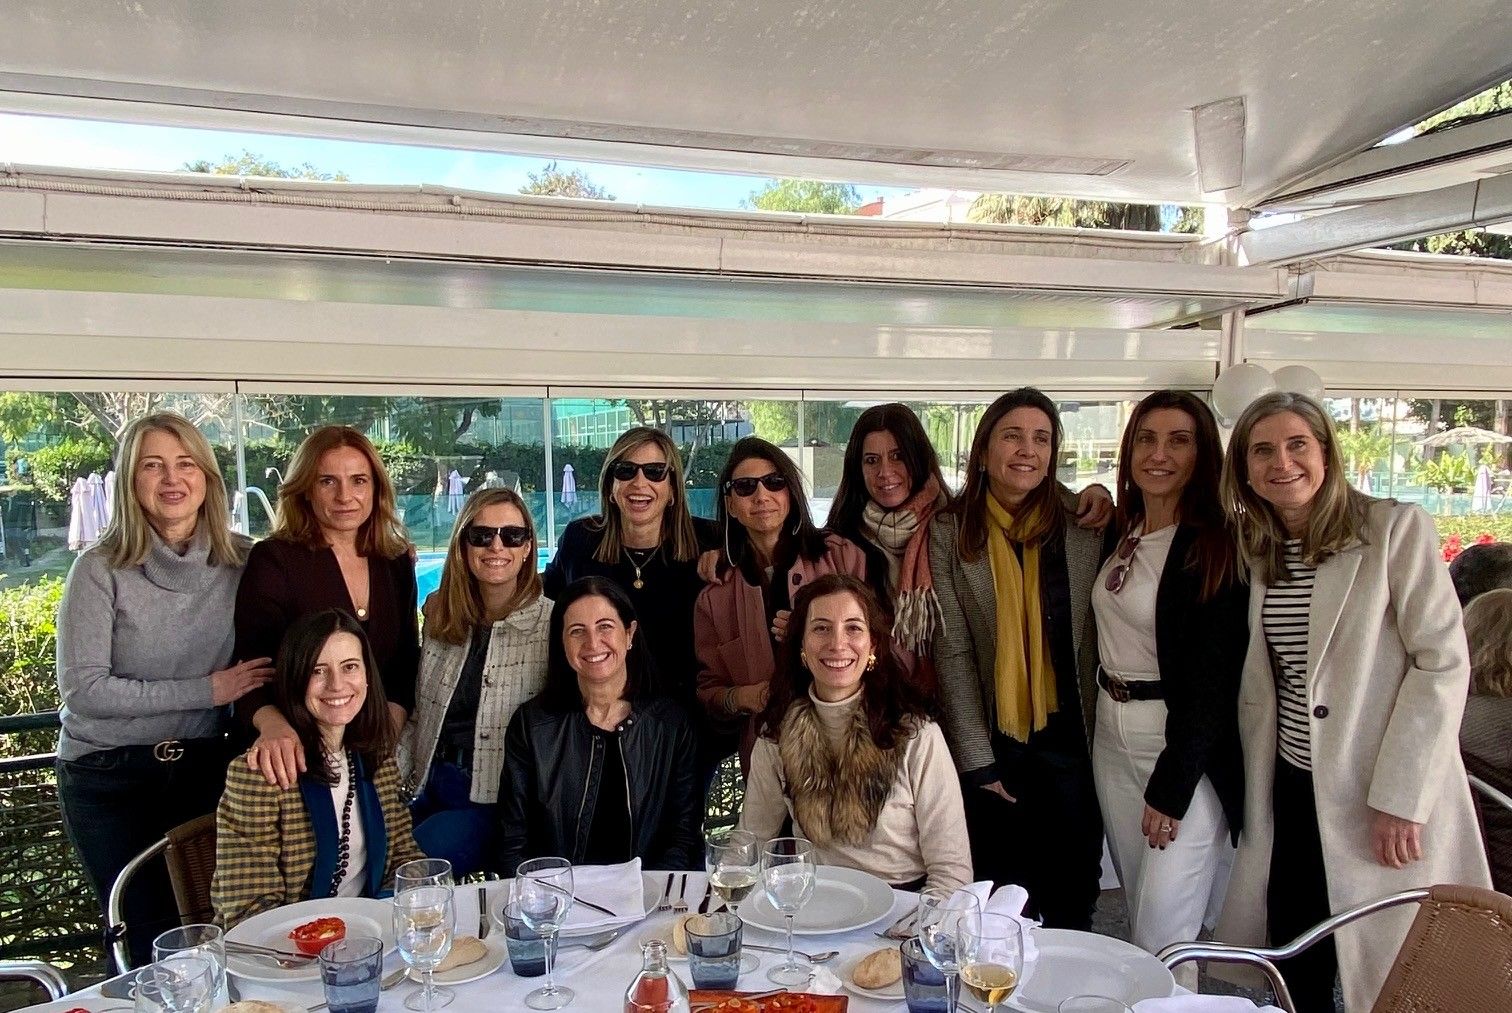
point(253, 1006)
point(879, 968)
point(680, 933)
point(465, 950)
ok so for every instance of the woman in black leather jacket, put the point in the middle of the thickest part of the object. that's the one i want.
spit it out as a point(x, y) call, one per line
point(595, 768)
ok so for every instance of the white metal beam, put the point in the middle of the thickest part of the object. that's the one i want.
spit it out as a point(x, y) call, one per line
point(1466, 205)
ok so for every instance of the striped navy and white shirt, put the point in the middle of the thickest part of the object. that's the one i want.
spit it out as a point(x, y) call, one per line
point(1284, 617)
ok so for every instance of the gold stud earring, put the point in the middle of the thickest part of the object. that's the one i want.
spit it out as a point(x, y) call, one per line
point(871, 661)
point(803, 657)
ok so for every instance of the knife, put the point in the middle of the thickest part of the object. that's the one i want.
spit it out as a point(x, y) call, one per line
point(703, 905)
point(594, 907)
point(484, 922)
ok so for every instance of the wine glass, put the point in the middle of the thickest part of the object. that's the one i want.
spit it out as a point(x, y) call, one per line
point(204, 940)
point(733, 860)
point(542, 889)
point(787, 878)
point(941, 913)
point(991, 951)
point(424, 920)
point(423, 872)
point(179, 983)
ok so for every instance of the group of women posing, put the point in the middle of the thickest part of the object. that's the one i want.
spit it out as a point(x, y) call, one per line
point(931, 688)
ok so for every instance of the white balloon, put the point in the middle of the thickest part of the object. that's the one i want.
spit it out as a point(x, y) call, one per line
point(1238, 385)
point(1300, 380)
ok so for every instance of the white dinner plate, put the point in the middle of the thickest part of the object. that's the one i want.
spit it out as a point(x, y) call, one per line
point(91, 1003)
point(1085, 963)
point(498, 952)
point(363, 916)
point(892, 992)
point(844, 899)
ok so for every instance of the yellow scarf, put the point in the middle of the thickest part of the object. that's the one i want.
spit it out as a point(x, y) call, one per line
point(1024, 680)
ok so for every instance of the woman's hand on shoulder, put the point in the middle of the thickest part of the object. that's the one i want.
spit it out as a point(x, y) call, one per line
point(1396, 842)
point(709, 570)
point(231, 684)
point(1094, 507)
point(277, 754)
point(780, 624)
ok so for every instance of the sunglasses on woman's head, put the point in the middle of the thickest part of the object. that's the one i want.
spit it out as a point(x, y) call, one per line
point(1120, 573)
point(747, 486)
point(655, 471)
point(481, 537)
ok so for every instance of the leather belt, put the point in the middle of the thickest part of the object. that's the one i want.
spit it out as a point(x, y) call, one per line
point(1124, 690)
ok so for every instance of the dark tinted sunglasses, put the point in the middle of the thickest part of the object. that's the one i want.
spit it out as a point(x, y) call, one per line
point(744, 487)
point(1120, 573)
point(481, 537)
point(655, 471)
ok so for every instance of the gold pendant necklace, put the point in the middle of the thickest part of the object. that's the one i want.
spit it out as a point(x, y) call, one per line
point(638, 583)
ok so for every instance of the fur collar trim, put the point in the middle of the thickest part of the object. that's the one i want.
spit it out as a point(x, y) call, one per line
point(837, 792)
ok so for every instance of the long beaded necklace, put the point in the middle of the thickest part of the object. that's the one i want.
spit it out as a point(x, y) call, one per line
point(637, 563)
point(344, 845)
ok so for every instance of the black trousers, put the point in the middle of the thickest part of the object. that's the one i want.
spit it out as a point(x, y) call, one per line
point(117, 803)
point(1050, 840)
point(1297, 897)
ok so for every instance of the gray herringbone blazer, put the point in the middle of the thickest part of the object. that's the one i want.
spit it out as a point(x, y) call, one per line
point(965, 644)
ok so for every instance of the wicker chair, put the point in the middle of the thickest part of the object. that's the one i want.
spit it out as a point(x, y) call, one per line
point(189, 851)
point(1457, 957)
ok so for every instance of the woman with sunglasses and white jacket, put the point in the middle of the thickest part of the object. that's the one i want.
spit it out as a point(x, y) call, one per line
point(773, 549)
point(484, 653)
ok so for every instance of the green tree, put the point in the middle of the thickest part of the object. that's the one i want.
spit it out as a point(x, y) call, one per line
point(805, 196)
point(250, 163)
point(553, 182)
point(1065, 212)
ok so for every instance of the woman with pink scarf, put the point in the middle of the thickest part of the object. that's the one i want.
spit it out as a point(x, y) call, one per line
point(890, 488)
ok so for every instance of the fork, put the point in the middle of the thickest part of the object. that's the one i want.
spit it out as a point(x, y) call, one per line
point(665, 904)
point(383, 986)
point(680, 906)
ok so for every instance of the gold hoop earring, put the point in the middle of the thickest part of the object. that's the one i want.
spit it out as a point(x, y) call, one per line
point(803, 657)
point(871, 661)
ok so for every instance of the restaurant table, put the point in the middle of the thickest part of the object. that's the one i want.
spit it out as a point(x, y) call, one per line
point(600, 978)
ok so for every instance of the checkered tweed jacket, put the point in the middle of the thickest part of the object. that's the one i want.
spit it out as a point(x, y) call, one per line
point(514, 670)
point(965, 644)
point(265, 843)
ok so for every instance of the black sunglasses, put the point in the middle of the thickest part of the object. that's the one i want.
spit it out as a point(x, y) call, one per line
point(655, 471)
point(743, 487)
point(481, 537)
point(1120, 573)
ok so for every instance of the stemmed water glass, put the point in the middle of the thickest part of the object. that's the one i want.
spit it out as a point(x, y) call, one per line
point(733, 860)
point(423, 872)
point(424, 921)
point(990, 948)
point(787, 878)
point(941, 914)
point(179, 983)
point(206, 941)
point(542, 892)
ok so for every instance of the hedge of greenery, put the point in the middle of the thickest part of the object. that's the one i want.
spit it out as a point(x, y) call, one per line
point(28, 643)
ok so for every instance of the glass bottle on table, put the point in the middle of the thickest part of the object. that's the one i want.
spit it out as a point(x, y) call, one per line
point(656, 989)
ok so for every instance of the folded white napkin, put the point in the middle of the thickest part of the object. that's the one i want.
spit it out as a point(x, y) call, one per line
point(1201, 1004)
point(1010, 901)
point(616, 887)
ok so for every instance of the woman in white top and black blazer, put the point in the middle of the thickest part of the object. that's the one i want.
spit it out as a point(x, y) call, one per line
point(1173, 625)
point(484, 653)
point(1363, 679)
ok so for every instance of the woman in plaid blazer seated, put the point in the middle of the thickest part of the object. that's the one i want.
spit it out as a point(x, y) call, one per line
point(343, 829)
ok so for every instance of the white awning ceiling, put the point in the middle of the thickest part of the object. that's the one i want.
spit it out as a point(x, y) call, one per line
point(1098, 98)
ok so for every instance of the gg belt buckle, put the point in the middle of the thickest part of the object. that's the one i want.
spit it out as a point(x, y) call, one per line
point(1117, 688)
point(168, 751)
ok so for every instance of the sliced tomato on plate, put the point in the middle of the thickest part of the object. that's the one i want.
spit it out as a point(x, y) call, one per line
point(312, 937)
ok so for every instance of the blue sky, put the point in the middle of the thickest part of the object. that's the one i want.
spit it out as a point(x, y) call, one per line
point(90, 144)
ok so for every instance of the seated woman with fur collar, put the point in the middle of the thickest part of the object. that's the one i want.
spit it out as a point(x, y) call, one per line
point(847, 747)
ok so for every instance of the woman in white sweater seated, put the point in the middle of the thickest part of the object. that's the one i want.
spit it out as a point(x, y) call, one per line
point(847, 748)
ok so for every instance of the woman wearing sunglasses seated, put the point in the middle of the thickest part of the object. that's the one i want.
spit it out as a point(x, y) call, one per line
point(646, 542)
point(484, 653)
point(343, 828)
point(774, 549)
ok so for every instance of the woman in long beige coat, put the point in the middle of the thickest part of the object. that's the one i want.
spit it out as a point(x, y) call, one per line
point(1357, 669)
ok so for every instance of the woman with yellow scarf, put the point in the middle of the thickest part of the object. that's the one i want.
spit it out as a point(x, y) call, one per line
point(1016, 655)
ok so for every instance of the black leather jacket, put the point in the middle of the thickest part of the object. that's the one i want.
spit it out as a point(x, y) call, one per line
point(552, 775)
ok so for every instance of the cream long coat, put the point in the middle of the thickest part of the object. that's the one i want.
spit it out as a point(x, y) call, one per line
point(1388, 666)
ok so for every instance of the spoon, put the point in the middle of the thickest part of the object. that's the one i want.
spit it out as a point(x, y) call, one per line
point(813, 958)
point(593, 943)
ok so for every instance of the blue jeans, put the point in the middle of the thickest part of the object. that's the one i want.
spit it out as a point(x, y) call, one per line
point(452, 826)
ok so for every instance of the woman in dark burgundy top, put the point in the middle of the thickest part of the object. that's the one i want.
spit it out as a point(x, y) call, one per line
point(336, 543)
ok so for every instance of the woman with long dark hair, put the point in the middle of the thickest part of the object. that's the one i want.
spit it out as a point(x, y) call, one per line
point(773, 550)
point(345, 829)
point(849, 749)
point(1172, 628)
point(1016, 655)
point(484, 654)
point(598, 768)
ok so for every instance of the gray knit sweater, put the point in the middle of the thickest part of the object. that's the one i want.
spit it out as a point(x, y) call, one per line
point(136, 647)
